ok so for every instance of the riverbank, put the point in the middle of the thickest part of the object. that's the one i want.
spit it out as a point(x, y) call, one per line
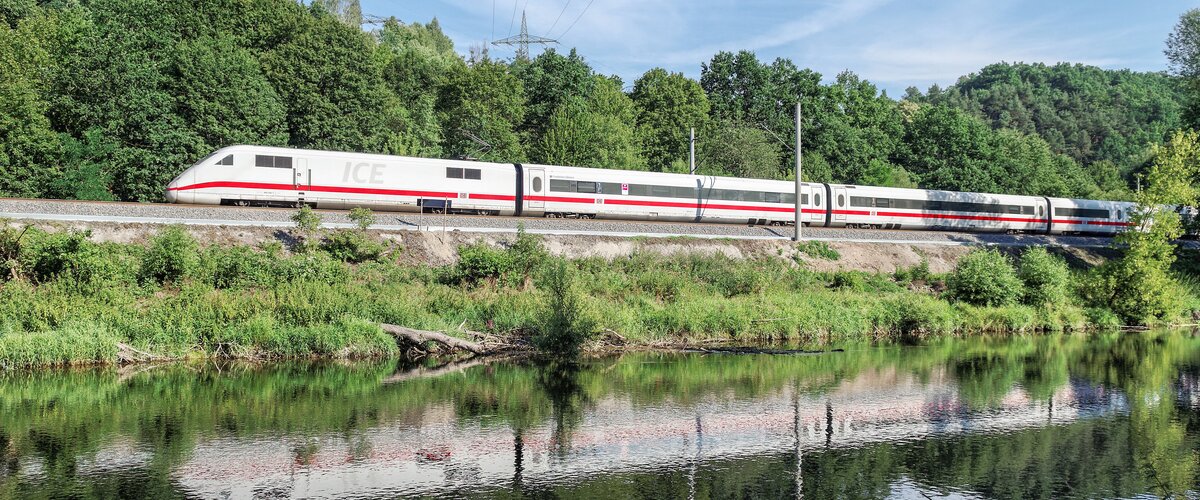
point(67, 299)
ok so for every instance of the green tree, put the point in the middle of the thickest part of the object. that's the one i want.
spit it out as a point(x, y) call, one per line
point(1183, 54)
point(28, 146)
point(948, 149)
point(1140, 286)
point(737, 151)
point(332, 87)
point(1084, 112)
point(223, 96)
point(485, 103)
point(551, 80)
point(596, 131)
point(667, 106)
point(418, 57)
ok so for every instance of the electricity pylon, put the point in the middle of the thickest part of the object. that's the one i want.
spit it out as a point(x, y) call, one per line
point(522, 40)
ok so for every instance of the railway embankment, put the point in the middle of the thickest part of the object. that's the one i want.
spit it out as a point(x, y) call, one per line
point(85, 292)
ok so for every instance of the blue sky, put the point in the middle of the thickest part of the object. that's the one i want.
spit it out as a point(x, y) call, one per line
point(893, 43)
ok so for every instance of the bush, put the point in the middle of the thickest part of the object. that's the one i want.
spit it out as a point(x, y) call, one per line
point(362, 217)
point(352, 246)
point(307, 221)
point(477, 262)
point(567, 324)
point(172, 256)
point(818, 249)
point(984, 277)
point(914, 274)
point(527, 252)
point(1046, 277)
point(237, 267)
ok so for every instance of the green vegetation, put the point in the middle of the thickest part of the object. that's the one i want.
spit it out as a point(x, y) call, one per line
point(985, 278)
point(818, 249)
point(176, 298)
point(364, 218)
point(110, 99)
point(1046, 277)
point(1141, 286)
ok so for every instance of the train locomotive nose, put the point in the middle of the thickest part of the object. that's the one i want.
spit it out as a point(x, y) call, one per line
point(172, 193)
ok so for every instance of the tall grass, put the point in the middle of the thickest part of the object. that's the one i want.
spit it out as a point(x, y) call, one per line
point(177, 298)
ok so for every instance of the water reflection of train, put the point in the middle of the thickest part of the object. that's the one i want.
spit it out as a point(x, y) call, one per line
point(443, 452)
point(266, 176)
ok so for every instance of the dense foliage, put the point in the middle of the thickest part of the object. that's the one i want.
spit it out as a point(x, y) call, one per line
point(1086, 113)
point(109, 99)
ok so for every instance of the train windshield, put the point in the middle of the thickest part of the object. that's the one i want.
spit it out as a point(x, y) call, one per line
point(212, 155)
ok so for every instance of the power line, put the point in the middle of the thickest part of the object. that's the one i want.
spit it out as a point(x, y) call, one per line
point(560, 13)
point(514, 18)
point(585, 9)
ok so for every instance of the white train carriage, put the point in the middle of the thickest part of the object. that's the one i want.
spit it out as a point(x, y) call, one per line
point(622, 194)
point(897, 208)
point(1089, 216)
point(267, 176)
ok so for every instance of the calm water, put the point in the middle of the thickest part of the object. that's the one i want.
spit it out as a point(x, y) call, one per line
point(1059, 416)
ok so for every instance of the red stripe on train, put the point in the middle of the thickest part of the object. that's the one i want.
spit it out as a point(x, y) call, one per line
point(620, 201)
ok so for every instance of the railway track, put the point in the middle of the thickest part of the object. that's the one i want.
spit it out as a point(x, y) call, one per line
point(163, 213)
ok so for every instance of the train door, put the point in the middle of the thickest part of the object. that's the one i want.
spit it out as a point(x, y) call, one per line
point(536, 179)
point(302, 173)
point(839, 202)
point(806, 201)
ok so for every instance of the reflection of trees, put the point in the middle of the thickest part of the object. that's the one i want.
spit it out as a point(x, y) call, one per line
point(59, 417)
point(560, 381)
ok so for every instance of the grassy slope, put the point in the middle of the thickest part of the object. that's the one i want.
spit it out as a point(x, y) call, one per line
point(72, 300)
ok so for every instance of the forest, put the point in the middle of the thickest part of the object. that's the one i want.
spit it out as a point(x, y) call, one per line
point(110, 99)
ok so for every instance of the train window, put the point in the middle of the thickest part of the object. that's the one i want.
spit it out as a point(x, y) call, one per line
point(537, 184)
point(790, 199)
point(883, 202)
point(841, 200)
point(661, 191)
point(771, 197)
point(454, 173)
point(639, 190)
point(473, 174)
point(227, 160)
point(585, 187)
point(272, 161)
point(1120, 215)
point(1092, 213)
point(610, 187)
point(1041, 212)
point(562, 186)
point(817, 199)
point(683, 192)
point(859, 201)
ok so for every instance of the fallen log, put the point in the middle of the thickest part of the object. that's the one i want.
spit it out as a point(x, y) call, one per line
point(452, 367)
point(421, 336)
point(129, 354)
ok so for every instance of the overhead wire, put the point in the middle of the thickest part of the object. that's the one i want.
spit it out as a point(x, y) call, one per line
point(560, 13)
point(514, 18)
point(585, 9)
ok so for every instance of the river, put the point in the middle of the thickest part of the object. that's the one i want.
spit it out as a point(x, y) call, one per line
point(1056, 416)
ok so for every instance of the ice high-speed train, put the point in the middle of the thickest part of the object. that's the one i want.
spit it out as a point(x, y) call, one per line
point(269, 176)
